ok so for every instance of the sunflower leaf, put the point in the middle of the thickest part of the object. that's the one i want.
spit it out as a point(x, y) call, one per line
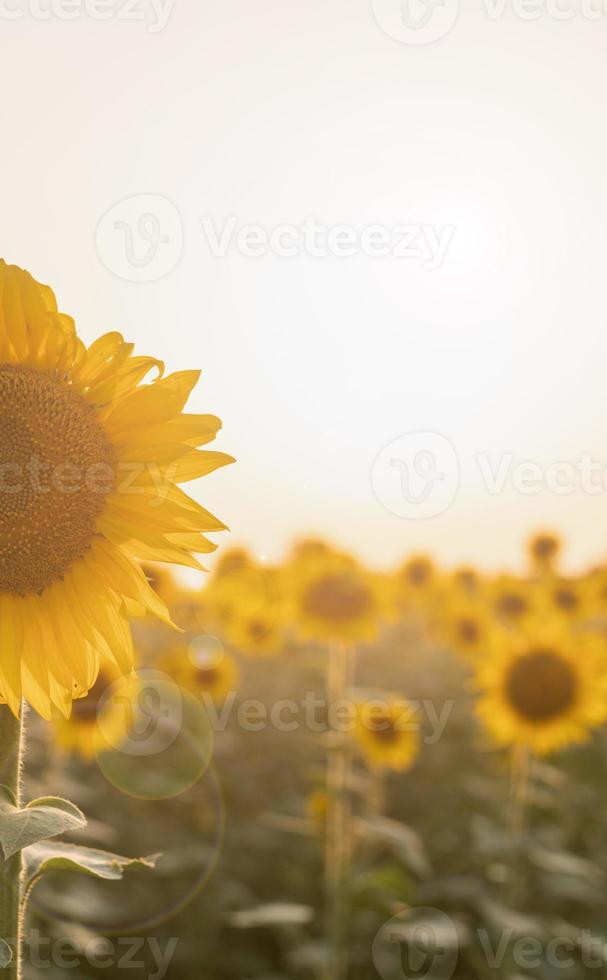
point(46, 817)
point(56, 856)
point(6, 954)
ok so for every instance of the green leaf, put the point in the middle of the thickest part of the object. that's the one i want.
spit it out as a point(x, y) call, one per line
point(6, 954)
point(36, 821)
point(51, 856)
point(401, 839)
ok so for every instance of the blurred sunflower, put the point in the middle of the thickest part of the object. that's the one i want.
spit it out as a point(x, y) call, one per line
point(191, 610)
point(231, 561)
point(162, 581)
point(465, 581)
point(256, 632)
point(566, 598)
point(467, 629)
point(544, 551)
point(335, 599)
point(511, 600)
point(317, 806)
point(415, 582)
point(93, 458)
point(544, 692)
point(81, 733)
point(199, 671)
point(310, 549)
point(385, 734)
point(240, 584)
point(595, 585)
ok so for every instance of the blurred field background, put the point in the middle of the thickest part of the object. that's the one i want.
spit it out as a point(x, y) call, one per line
point(289, 842)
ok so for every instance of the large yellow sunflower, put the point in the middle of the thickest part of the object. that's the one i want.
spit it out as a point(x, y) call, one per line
point(91, 458)
point(545, 691)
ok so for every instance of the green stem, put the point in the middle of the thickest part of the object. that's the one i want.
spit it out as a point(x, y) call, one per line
point(12, 741)
point(338, 846)
point(519, 792)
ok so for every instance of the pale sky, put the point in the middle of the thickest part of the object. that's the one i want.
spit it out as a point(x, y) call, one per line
point(489, 143)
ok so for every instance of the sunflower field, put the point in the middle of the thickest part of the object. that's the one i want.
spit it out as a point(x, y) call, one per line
point(340, 774)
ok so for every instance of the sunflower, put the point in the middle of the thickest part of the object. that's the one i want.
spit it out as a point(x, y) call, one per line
point(191, 610)
point(162, 581)
point(465, 581)
point(545, 691)
point(317, 806)
point(256, 631)
point(386, 734)
point(202, 671)
point(566, 597)
point(544, 551)
point(416, 582)
point(91, 462)
point(511, 600)
point(595, 586)
point(467, 629)
point(81, 734)
point(232, 561)
point(335, 599)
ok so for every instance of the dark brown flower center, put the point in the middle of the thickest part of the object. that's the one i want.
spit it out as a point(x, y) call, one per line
point(419, 573)
point(566, 599)
point(541, 685)
point(383, 727)
point(545, 547)
point(207, 677)
point(338, 598)
point(511, 604)
point(468, 630)
point(56, 469)
point(257, 629)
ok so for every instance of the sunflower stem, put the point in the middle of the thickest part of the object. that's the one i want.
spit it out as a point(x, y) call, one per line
point(12, 744)
point(519, 798)
point(339, 822)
